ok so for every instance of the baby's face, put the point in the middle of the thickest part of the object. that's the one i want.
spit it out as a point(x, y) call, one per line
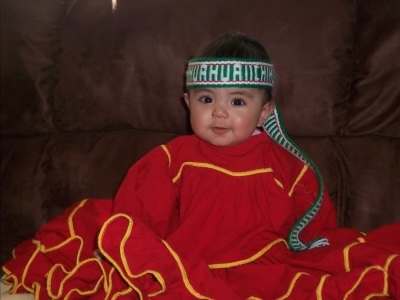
point(227, 116)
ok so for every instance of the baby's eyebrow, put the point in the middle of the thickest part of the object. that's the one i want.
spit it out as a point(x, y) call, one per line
point(201, 90)
point(242, 93)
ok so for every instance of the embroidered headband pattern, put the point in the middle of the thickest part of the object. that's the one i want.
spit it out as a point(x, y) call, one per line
point(229, 72)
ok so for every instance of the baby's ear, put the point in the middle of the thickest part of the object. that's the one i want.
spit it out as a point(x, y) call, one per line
point(186, 97)
point(267, 110)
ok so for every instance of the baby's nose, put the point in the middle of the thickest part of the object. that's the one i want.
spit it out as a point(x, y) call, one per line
point(220, 112)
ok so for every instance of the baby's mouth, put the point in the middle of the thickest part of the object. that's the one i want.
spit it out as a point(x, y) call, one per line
point(219, 130)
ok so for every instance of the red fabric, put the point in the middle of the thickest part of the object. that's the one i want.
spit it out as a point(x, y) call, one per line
point(193, 221)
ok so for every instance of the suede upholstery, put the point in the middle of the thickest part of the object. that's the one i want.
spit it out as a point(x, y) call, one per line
point(87, 90)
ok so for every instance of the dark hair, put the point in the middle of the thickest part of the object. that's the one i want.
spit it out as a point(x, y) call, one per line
point(235, 45)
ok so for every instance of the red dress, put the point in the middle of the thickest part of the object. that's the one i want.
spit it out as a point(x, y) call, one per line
point(195, 221)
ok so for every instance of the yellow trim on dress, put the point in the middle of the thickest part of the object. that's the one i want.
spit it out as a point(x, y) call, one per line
point(366, 270)
point(29, 289)
point(122, 293)
point(250, 259)
point(156, 274)
point(292, 284)
point(37, 290)
point(40, 248)
point(346, 251)
point(168, 154)
point(222, 170)
point(318, 291)
point(70, 222)
point(385, 292)
point(183, 273)
point(6, 280)
point(301, 174)
point(72, 273)
point(78, 263)
point(73, 290)
point(361, 240)
point(278, 183)
point(386, 267)
point(384, 270)
point(108, 292)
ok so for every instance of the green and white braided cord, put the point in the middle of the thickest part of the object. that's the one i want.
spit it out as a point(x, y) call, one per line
point(274, 128)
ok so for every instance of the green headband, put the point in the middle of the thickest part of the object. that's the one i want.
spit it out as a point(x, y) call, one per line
point(229, 72)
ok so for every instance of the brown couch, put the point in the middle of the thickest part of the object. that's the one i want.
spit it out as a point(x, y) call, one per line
point(87, 89)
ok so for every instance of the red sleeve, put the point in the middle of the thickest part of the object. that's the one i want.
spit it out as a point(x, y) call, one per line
point(147, 193)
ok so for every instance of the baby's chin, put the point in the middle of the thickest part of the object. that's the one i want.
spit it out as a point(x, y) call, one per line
point(223, 143)
point(224, 139)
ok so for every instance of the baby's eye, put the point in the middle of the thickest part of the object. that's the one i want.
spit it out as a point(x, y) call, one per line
point(206, 99)
point(238, 102)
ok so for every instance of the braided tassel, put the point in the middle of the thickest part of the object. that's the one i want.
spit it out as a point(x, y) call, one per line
point(274, 128)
